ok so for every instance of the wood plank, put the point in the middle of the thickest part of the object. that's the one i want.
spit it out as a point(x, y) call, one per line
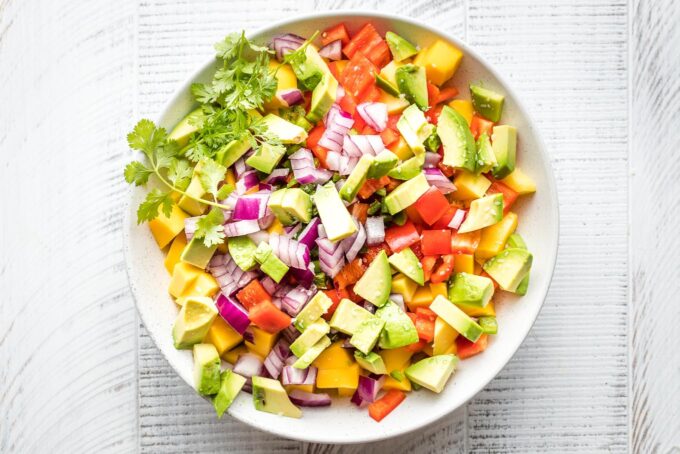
point(67, 325)
point(654, 207)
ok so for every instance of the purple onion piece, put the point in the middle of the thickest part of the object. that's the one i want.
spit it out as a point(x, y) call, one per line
point(332, 50)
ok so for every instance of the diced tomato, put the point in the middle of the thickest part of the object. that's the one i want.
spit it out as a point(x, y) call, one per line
point(446, 170)
point(446, 94)
point(253, 294)
point(268, 317)
point(432, 205)
point(400, 237)
point(372, 251)
point(336, 70)
point(349, 104)
point(436, 242)
point(465, 243)
point(428, 262)
point(349, 274)
point(389, 136)
point(480, 125)
point(425, 324)
point(313, 144)
point(370, 43)
point(384, 406)
point(417, 250)
point(360, 211)
point(432, 114)
point(432, 94)
point(335, 296)
point(412, 214)
point(416, 346)
point(334, 33)
point(371, 95)
point(509, 195)
point(371, 185)
point(467, 349)
point(392, 121)
point(426, 313)
point(392, 185)
point(444, 270)
point(443, 221)
point(358, 76)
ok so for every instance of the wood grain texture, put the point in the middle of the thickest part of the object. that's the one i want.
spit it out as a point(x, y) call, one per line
point(67, 324)
point(655, 249)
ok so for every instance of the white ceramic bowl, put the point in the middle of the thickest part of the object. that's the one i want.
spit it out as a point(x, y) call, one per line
point(343, 422)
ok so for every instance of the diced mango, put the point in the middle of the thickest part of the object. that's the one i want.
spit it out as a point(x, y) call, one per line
point(405, 286)
point(444, 338)
point(463, 263)
point(183, 276)
point(402, 385)
point(232, 355)
point(401, 149)
point(421, 298)
point(222, 248)
point(174, 252)
point(477, 268)
point(474, 311)
point(396, 359)
point(519, 182)
point(203, 285)
point(263, 342)
point(340, 65)
point(285, 78)
point(346, 392)
point(439, 289)
point(347, 377)
point(276, 227)
point(305, 388)
point(230, 178)
point(441, 60)
point(463, 107)
point(428, 350)
point(334, 357)
point(470, 186)
point(495, 236)
point(222, 336)
point(164, 228)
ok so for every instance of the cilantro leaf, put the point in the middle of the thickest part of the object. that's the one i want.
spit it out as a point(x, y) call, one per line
point(210, 228)
point(137, 173)
point(203, 93)
point(155, 201)
point(210, 174)
point(179, 173)
point(230, 46)
point(146, 137)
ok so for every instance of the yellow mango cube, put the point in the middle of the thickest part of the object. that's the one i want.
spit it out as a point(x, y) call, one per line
point(439, 289)
point(203, 285)
point(176, 248)
point(263, 342)
point(230, 178)
point(441, 60)
point(474, 311)
point(340, 65)
point(405, 286)
point(232, 355)
point(428, 350)
point(305, 388)
point(463, 107)
point(347, 378)
point(285, 79)
point(401, 149)
point(495, 236)
point(396, 359)
point(334, 357)
point(165, 229)
point(470, 186)
point(444, 337)
point(183, 276)
point(222, 336)
point(464, 263)
point(346, 392)
point(421, 298)
point(519, 182)
point(402, 385)
point(276, 227)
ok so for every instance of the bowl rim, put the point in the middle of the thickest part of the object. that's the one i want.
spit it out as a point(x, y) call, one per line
point(551, 189)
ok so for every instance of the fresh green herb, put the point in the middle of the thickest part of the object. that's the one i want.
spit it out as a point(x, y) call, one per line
point(210, 228)
point(374, 207)
point(433, 142)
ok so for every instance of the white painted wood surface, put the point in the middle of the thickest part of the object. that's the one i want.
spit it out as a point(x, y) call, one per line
point(600, 370)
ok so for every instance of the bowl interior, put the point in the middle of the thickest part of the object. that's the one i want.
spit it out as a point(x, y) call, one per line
point(343, 422)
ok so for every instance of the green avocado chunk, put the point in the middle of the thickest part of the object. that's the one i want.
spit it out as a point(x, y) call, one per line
point(414, 128)
point(433, 372)
point(333, 213)
point(471, 290)
point(509, 267)
point(230, 385)
point(186, 127)
point(409, 168)
point(399, 330)
point(456, 318)
point(484, 212)
point(310, 337)
point(406, 194)
point(270, 264)
point(312, 353)
point(460, 151)
point(387, 79)
point(504, 145)
point(310, 70)
point(372, 362)
point(197, 253)
point(285, 131)
point(412, 83)
point(206, 369)
point(266, 157)
point(193, 321)
point(382, 164)
point(242, 250)
point(323, 97)
point(313, 310)
point(195, 190)
point(400, 48)
point(269, 396)
point(407, 262)
point(517, 241)
point(367, 334)
point(376, 282)
point(487, 103)
point(356, 178)
point(486, 158)
point(348, 316)
point(489, 324)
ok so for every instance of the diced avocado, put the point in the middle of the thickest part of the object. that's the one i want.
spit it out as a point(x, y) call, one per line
point(386, 85)
point(275, 203)
point(372, 362)
point(348, 316)
point(455, 317)
point(193, 321)
point(516, 241)
point(382, 164)
point(194, 191)
point(266, 157)
point(376, 282)
point(400, 48)
point(483, 212)
point(460, 151)
point(409, 168)
point(399, 330)
point(489, 324)
point(197, 253)
point(486, 158)
point(407, 262)
point(406, 194)
point(296, 115)
point(356, 178)
point(233, 151)
point(504, 144)
point(487, 103)
point(312, 353)
point(313, 310)
point(471, 290)
point(323, 97)
point(389, 74)
point(433, 372)
point(509, 267)
point(298, 204)
point(230, 385)
point(414, 128)
point(269, 396)
point(433, 142)
point(186, 127)
point(270, 264)
point(333, 213)
point(395, 103)
point(310, 337)
point(283, 130)
point(310, 70)
point(412, 82)
point(444, 337)
point(206, 369)
point(242, 250)
point(367, 334)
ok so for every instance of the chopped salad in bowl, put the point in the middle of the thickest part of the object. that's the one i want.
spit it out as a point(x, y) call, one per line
point(337, 219)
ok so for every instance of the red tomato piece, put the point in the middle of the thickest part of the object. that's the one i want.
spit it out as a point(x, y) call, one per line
point(509, 195)
point(432, 114)
point(480, 125)
point(370, 43)
point(389, 136)
point(269, 317)
point(334, 33)
point(425, 320)
point(253, 294)
point(400, 237)
point(358, 76)
point(446, 94)
point(432, 205)
point(444, 270)
point(467, 349)
point(443, 221)
point(428, 263)
point(436, 242)
point(384, 406)
point(465, 243)
point(432, 94)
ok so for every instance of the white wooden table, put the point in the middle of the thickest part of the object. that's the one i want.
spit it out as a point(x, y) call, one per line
point(600, 371)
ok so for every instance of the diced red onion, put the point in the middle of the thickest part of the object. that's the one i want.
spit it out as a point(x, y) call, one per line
point(247, 181)
point(248, 365)
point(292, 230)
point(294, 376)
point(367, 391)
point(431, 160)
point(296, 299)
point(190, 227)
point(374, 114)
point(356, 145)
point(283, 290)
point(333, 159)
point(251, 206)
point(332, 50)
point(274, 361)
point(290, 96)
point(277, 176)
point(232, 313)
point(266, 220)
point(240, 228)
point(370, 307)
point(290, 333)
point(259, 236)
point(457, 219)
point(353, 243)
point(322, 231)
point(291, 252)
point(248, 335)
point(331, 256)
point(304, 277)
point(339, 93)
point(436, 178)
point(228, 275)
point(375, 230)
point(309, 235)
point(398, 299)
point(240, 167)
point(347, 164)
point(248, 386)
point(338, 122)
point(302, 162)
point(284, 44)
point(269, 285)
point(305, 399)
point(230, 201)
